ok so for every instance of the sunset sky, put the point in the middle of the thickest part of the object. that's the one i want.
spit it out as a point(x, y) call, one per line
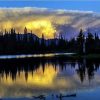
point(49, 17)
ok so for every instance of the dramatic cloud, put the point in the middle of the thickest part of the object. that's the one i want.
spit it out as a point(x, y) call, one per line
point(47, 21)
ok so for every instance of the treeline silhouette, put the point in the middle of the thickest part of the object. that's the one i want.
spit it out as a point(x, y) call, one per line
point(28, 43)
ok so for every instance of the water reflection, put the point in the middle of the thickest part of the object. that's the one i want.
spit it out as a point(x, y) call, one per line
point(45, 76)
point(39, 77)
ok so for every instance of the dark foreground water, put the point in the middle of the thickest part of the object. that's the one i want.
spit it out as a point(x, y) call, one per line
point(50, 76)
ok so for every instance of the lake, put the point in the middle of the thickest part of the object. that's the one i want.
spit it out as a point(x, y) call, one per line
point(50, 76)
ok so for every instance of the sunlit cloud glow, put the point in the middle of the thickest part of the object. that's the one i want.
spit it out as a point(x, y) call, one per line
point(45, 21)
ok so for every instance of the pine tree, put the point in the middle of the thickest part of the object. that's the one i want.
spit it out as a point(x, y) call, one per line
point(90, 43)
point(80, 41)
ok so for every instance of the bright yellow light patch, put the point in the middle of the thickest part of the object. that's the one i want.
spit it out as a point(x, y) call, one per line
point(42, 27)
point(39, 77)
point(43, 78)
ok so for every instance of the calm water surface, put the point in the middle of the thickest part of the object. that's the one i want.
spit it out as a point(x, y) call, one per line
point(50, 77)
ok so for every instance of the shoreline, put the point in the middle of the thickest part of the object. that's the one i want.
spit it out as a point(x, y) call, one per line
point(42, 55)
point(34, 55)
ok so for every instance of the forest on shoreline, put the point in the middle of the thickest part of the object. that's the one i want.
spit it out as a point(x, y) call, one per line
point(28, 43)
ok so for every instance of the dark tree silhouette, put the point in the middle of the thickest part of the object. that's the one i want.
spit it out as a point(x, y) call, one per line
point(90, 43)
point(80, 41)
point(28, 43)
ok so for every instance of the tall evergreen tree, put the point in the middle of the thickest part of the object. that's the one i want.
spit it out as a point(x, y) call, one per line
point(90, 43)
point(80, 42)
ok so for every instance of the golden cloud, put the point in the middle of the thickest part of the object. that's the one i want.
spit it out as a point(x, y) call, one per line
point(43, 21)
point(42, 27)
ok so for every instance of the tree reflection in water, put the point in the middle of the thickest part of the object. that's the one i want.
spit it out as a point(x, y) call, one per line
point(54, 73)
point(13, 68)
